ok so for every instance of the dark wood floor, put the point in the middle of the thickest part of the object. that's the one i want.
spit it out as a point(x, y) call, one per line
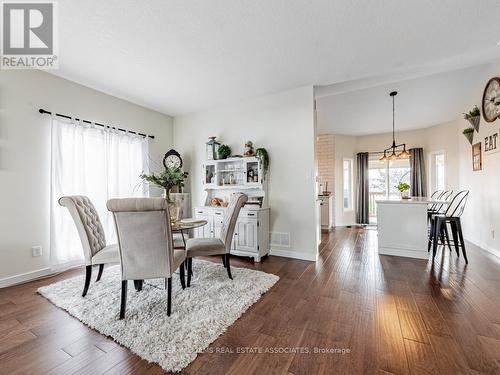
point(394, 315)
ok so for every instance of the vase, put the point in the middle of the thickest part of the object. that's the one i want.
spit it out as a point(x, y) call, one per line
point(405, 194)
point(470, 137)
point(173, 207)
point(474, 121)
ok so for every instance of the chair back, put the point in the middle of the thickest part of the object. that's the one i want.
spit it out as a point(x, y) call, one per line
point(436, 193)
point(144, 237)
point(236, 202)
point(457, 204)
point(87, 223)
point(444, 196)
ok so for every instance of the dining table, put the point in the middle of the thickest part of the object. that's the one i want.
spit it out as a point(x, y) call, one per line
point(184, 225)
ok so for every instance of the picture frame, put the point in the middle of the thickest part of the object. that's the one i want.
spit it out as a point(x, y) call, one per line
point(492, 142)
point(477, 160)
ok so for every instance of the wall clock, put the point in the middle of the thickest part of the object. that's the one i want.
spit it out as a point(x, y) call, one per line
point(491, 100)
point(172, 159)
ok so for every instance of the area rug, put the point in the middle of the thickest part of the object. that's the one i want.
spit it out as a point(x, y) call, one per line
point(199, 315)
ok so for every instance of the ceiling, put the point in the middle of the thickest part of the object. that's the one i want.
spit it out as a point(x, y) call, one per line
point(420, 103)
point(188, 55)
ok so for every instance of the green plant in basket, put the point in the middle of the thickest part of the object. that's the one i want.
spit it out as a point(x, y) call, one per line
point(472, 113)
point(224, 151)
point(167, 179)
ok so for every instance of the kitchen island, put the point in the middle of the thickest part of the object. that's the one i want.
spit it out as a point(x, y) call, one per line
point(402, 227)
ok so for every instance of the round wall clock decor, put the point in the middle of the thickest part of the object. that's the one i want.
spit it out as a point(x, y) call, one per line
point(172, 159)
point(491, 100)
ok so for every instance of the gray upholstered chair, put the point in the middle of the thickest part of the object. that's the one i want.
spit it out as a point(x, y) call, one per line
point(145, 243)
point(217, 246)
point(95, 250)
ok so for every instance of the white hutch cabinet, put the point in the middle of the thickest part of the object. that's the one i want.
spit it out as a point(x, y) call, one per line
point(251, 234)
point(221, 179)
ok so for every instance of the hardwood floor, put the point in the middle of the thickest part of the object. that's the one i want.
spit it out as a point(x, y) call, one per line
point(390, 316)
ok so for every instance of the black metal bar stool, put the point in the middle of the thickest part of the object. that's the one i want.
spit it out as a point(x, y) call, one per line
point(450, 216)
point(436, 208)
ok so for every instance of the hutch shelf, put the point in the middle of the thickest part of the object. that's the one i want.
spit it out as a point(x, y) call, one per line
point(224, 177)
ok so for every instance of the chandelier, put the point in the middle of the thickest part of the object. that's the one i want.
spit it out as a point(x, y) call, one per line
point(393, 152)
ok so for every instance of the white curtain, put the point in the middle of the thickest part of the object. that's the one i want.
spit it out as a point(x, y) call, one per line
point(96, 162)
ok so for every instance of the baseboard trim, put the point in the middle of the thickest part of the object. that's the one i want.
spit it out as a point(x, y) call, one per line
point(24, 277)
point(345, 225)
point(485, 247)
point(302, 255)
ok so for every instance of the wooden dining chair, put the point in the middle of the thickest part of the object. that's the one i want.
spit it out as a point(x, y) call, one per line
point(217, 246)
point(91, 232)
point(145, 244)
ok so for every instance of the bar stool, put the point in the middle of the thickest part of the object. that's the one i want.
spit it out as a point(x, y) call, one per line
point(451, 216)
point(441, 195)
point(438, 208)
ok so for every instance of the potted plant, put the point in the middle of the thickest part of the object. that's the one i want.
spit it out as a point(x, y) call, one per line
point(261, 154)
point(166, 180)
point(469, 134)
point(224, 151)
point(473, 116)
point(404, 189)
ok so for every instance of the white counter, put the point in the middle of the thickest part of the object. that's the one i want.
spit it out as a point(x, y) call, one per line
point(402, 227)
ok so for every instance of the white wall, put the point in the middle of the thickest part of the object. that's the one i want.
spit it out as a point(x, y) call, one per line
point(284, 125)
point(442, 137)
point(482, 214)
point(25, 156)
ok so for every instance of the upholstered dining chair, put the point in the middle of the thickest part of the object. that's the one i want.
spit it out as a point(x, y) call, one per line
point(89, 227)
point(217, 246)
point(145, 244)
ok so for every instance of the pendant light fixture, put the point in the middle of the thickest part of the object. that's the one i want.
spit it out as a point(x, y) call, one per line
point(392, 153)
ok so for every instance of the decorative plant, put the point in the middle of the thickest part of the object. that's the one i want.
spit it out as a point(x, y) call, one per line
point(469, 134)
point(167, 179)
point(403, 186)
point(261, 154)
point(224, 151)
point(472, 113)
point(474, 117)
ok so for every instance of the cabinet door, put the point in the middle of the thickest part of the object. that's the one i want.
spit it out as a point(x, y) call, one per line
point(206, 230)
point(218, 219)
point(324, 213)
point(252, 172)
point(245, 235)
point(210, 178)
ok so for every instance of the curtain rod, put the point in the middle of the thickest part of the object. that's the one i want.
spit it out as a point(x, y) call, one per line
point(43, 111)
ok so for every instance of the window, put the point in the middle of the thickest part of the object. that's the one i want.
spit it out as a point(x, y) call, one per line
point(383, 177)
point(98, 163)
point(437, 171)
point(347, 184)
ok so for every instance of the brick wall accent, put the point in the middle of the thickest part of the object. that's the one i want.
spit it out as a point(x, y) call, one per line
point(325, 154)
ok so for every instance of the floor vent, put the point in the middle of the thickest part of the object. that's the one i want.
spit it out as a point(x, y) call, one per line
point(281, 239)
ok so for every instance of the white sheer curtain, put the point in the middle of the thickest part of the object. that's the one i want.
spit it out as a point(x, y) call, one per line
point(96, 162)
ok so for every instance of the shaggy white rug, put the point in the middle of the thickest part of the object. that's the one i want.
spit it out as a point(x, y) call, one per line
point(199, 315)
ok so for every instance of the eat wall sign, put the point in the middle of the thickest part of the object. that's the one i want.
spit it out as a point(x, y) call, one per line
point(492, 142)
